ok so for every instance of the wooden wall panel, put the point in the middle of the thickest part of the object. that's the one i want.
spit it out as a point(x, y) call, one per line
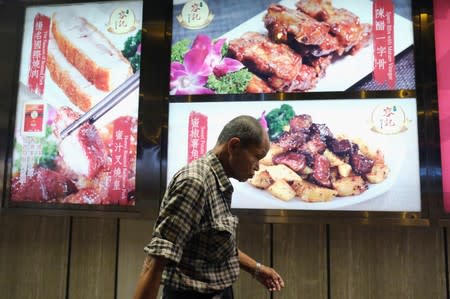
point(33, 256)
point(93, 258)
point(300, 256)
point(253, 239)
point(134, 235)
point(386, 262)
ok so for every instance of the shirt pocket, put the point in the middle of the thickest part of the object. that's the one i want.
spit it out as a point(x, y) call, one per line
point(222, 239)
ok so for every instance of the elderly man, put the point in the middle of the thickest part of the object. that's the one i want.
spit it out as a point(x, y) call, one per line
point(193, 250)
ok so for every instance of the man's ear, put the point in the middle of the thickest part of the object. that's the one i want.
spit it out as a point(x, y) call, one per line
point(233, 144)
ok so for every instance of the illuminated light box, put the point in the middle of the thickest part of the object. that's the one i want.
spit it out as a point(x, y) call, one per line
point(73, 56)
point(233, 47)
point(370, 148)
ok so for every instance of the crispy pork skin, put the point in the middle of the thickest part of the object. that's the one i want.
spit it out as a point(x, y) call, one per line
point(90, 51)
point(83, 151)
point(78, 89)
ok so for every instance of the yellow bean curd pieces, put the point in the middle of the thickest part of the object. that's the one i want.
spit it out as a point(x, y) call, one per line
point(285, 184)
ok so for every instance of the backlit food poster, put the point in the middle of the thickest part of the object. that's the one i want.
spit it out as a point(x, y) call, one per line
point(78, 61)
point(442, 43)
point(358, 156)
point(266, 46)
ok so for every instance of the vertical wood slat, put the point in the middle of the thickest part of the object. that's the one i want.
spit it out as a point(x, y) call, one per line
point(33, 256)
point(300, 257)
point(386, 262)
point(134, 235)
point(93, 258)
point(254, 240)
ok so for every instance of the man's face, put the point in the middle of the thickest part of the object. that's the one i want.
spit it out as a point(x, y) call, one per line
point(244, 161)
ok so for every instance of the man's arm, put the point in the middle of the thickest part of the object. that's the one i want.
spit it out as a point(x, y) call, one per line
point(148, 284)
point(265, 275)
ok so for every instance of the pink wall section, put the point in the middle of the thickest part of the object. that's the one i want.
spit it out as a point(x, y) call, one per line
point(441, 29)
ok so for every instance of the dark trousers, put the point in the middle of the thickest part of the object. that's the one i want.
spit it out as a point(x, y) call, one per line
point(169, 293)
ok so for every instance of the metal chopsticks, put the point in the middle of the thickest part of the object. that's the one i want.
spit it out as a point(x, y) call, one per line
point(112, 99)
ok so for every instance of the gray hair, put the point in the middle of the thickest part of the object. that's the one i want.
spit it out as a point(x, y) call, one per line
point(244, 127)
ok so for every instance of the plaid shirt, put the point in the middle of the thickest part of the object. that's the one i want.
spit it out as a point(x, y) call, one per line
point(195, 229)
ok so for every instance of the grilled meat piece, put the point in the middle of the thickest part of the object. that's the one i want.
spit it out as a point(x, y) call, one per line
point(361, 164)
point(43, 185)
point(322, 130)
point(344, 25)
point(302, 32)
point(276, 62)
point(258, 85)
point(292, 140)
point(300, 123)
point(295, 161)
point(321, 174)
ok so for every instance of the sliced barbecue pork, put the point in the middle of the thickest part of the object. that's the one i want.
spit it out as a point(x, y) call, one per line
point(83, 151)
point(44, 185)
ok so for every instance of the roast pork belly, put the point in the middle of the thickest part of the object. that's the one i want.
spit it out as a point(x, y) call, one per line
point(83, 151)
point(90, 51)
point(77, 88)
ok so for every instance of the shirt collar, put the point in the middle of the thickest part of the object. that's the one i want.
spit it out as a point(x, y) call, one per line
point(219, 172)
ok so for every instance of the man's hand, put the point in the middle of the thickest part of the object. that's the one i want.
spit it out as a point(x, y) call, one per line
point(269, 278)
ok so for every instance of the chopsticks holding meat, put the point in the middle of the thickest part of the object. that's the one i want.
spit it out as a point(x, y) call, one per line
point(111, 100)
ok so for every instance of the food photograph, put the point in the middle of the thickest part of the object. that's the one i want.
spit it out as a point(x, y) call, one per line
point(75, 131)
point(358, 156)
point(235, 47)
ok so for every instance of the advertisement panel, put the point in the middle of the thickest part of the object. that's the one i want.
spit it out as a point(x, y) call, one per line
point(361, 155)
point(244, 46)
point(75, 131)
point(442, 44)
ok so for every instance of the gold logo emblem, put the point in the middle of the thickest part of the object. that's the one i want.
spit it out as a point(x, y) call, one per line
point(122, 20)
point(195, 15)
point(389, 119)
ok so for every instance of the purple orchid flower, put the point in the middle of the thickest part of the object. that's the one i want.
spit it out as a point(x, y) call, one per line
point(190, 77)
point(203, 59)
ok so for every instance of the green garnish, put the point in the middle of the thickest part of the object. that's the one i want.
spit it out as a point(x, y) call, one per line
point(179, 49)
point(277, 119)
point(235, 82)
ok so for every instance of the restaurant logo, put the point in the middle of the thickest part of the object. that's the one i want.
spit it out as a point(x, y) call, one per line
point(34, 119)
point(122, 20)
point(195, 15)
point(389, 119)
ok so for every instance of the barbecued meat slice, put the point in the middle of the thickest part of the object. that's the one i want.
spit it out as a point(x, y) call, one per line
point(285, 24)
point(361, 164)
point(83, 151)
point(340, 147)
point(344, 24)
point(321, 171)
point(303, 33)
point(314, 146)
point(258, 85)
point(43, 185)
point(292, 140)
point(295, 161)
point(300, 123)
point(277, 62)
point(322, 130)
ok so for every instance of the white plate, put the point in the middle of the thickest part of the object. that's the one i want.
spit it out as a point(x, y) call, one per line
point(345, 72)
point(248, 197)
